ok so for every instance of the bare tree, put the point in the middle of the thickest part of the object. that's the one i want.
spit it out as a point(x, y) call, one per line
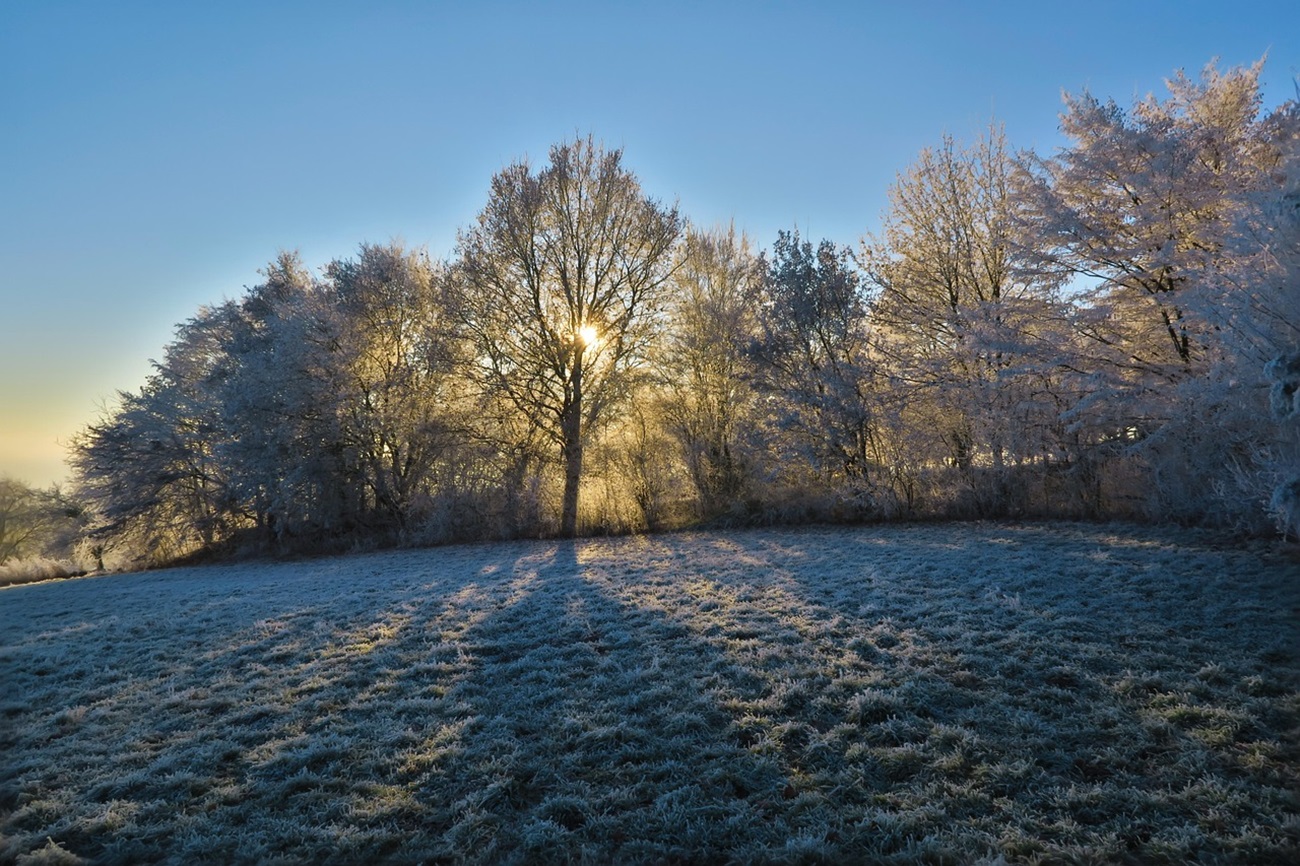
point(967, 327)
point(559, 289)
point(705, 365)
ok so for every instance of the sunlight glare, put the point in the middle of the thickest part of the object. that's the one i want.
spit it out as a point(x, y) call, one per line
point(587, 335)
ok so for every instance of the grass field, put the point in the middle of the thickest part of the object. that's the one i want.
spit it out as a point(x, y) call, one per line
point(937, 694)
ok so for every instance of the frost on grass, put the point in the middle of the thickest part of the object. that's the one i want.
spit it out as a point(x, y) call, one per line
point(886, 694)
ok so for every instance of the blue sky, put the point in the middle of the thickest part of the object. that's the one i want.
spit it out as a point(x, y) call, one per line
point(156, 155)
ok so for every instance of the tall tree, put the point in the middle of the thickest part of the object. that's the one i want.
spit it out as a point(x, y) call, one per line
point(1143, 205)
point(959, 314)
point(1152, 208)
point(813, 352)
point(560, 285)
point(278, 390)
point(150, 469)
point(397, 356)
point(1262, 316)
point(705, 366)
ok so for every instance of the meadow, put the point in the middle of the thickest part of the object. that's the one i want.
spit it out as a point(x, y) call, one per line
point(974, 693)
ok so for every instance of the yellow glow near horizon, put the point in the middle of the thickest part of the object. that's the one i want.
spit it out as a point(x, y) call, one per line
point(587, 335)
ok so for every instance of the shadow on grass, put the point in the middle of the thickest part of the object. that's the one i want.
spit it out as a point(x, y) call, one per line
point(1115, 703)
point(204, 721)
point(910, 695)
point(589, 734)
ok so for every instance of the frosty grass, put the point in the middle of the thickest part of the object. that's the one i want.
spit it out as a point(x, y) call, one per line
point(941, 694)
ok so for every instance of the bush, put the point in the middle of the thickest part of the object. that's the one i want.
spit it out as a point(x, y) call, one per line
point(32, 569)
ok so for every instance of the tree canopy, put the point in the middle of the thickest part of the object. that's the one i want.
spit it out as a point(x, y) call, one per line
point(1110, 330)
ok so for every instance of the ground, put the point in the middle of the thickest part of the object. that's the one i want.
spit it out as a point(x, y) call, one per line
point(938, 693)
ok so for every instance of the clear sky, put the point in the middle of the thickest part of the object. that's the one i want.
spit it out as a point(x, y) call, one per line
point(154, 156)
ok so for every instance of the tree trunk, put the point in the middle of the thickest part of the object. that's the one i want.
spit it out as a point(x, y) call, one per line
point(571, 446)
point(572, 450)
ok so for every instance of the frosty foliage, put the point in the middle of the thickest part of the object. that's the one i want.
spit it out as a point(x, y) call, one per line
point(32, 569)
point(812, 357)
point(1284, 371)
point(1169, 213)
point(1108, 331)
point(706, 375)
point(36, 524)
point(1284, 396)
point(309, 409)
point(969, 334)
point(559, 285)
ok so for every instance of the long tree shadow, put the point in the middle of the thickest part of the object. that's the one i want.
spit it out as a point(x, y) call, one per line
point(511, 711)
point(199, 718)
point(776, 696)
point(592, 734)
point(1048, 706)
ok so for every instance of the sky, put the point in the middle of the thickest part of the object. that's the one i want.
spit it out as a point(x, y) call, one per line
point(155, 156)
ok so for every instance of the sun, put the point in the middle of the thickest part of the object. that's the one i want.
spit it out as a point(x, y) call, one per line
point(587, 335)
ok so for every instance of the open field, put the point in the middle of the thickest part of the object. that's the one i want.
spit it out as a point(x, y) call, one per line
point(941, 694)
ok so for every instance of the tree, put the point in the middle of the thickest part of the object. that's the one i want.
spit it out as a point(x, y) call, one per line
point(705, 367)
point(560, 291)
point(1160, 211)
point(960, 317)
point(398, 355)
point(1263, 322)
point(813, 354)
point(150, 469)
point(1143, 206)
point(278, 390)
point(337, 395)
point(33, 521)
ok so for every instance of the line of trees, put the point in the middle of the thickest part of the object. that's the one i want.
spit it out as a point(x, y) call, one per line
point(1110, 331)
point(35, 523)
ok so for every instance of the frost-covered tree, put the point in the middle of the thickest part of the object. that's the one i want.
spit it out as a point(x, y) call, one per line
point(1263, 317)
point(813, 357)
point(279, 393)
point(1148, 207)
point(149, 469)
point(560, 289)
point(704, 366)
point(35, 522)
point(399, 358)
point(22, 518)
point(338, 394)
point(968, 331)
point(1144, 204)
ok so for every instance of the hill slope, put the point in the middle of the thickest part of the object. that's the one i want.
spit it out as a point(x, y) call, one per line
point(909, 694)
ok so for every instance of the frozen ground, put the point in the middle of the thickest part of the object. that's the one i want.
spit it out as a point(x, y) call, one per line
point(1040, 693)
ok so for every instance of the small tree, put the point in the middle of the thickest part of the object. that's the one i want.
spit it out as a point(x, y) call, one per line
point(559, 289)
